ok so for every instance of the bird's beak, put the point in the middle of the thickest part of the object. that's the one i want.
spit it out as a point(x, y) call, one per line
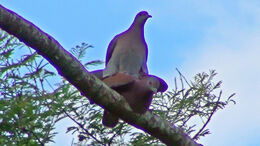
point(149, 16)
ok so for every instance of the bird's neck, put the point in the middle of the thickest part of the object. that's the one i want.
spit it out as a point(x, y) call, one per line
point(138, 28)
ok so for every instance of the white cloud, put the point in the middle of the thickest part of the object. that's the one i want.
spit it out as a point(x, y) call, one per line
point(232, 47)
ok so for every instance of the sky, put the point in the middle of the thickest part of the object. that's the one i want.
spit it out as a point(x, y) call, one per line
point(192, 35)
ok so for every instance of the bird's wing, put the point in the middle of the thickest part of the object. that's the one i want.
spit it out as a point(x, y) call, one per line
point(144, 69)
point(110, 48)
point(119, 80)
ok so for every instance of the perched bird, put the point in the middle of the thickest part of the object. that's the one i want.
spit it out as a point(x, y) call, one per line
point(138, 92)
point(127, 52)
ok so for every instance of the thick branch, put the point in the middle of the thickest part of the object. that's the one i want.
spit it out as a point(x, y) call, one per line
point(88, 85)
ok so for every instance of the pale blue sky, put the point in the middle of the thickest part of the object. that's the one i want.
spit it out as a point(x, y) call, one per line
point(192, 35)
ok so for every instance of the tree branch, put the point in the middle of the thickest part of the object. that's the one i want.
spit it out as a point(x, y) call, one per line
point(94, 89)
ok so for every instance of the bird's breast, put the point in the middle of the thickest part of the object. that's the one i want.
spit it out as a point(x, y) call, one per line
point(128, 45)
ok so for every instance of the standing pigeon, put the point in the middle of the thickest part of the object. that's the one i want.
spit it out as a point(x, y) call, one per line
point(127, 52)
point(138, 93)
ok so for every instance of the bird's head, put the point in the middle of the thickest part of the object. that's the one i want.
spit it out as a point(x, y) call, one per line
point(152, 83)
point(155, 83)
point(142, 16)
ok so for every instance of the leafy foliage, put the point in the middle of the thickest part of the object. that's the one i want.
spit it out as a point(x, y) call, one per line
point(26, 113)
point(80, 51)
point(195, 100)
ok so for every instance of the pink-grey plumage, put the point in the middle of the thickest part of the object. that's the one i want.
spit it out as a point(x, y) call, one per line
point(127, 52)
point(138, 92)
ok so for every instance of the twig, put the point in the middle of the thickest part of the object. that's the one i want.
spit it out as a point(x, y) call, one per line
point(81, 126)
point(215, 108)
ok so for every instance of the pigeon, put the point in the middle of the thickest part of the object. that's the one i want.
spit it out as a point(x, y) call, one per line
point(127, 52)
point(138, 93)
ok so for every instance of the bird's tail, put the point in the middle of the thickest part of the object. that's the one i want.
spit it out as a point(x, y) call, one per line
point(109, 119)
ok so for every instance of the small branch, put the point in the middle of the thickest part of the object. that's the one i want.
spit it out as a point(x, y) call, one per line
point(118, 131)
point(195, 137)
point(182, 76)
point(31, 132)
point(81, 126)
